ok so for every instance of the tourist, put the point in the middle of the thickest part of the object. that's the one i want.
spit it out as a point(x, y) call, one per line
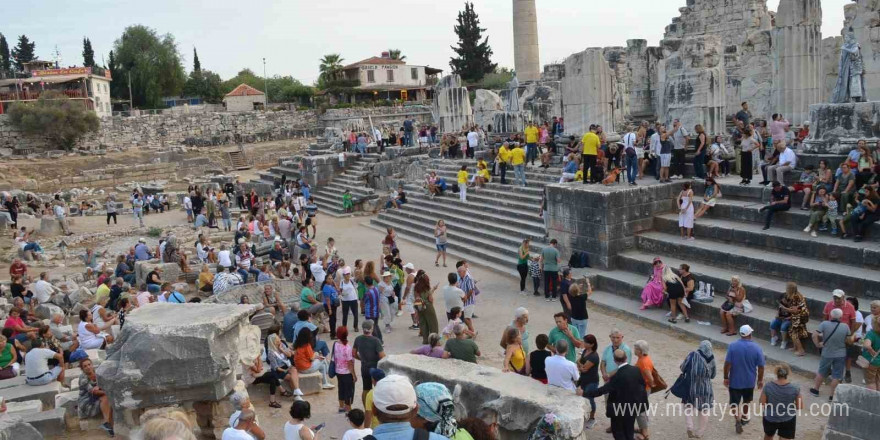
point(376, 375)
point(356, 418)
point(396, 405)
point(626, 397)
point(460, 347)
point(786, 161)
point(743, 367)
point(172, 425)
point(578, 303)
point(564, 330)
point(702, 147)
point(710, 197)
point(699, 368)
point(780, 200)
point(368, 350)
point(437, 412)
point(89, 335)
point(296, 428)
point(832, 338)
point(137, 209)
point(845, 187)
point(561, 371)
point(791, 319)
point(781, 401)
point(531, 135)
point(536, 359)
point(371, 302)
point(36, 364)
point(432, 348)
point(631, 159)
point(588, 366)
point(607, 365)
point(386, 299)
point(864, 213)
point(534, 266)
point(169, 295)
point(514, 354)
point(646, 365)
point(838, 301)
point(349, 297)
point(674, 288)
point(870, 349)
point(522, 265)
point(652, 294)
point(469, 287)
point(667, 146)
point(92, 398)
point(748, 146)
point(685, 204)
point(424, 306)
point(517, 161)
point(719, 155)
point(279, 362)
point(346, 377)
point(462, 183)
point(550, 268)
point(819, 211)
point(330, 296)
point(680, 140)
point(253, 373)
point(9, 359)
point(440, 240)
point(733, 306)
point(206, 280)
point(590, 143)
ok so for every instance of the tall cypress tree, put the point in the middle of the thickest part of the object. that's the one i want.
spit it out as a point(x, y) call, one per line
point(197, 66)
point(474, 58)
point(88, 53)
point(23, 52)
point(5, 58)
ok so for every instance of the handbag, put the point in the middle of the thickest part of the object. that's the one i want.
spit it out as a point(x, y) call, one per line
point(331, 369)
point(864, 363)
point(727, 306)
point(659, 383)
point(682, 385)
point(747, 306)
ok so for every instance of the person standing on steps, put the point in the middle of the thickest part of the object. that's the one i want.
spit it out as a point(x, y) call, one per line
point(631, 157)
point(743, 367)
point(462, 183)
point(680, 140)
point(590, 143)
point(748, 145)
point(503, 159)
point(518, 162)
point(686, 211)
point(441, 241)
point(700, 156)
point(522, 265)
point(531, 135)
point(550, 267)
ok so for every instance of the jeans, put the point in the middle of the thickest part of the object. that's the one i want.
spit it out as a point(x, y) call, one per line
point(589, 161)
point(531, 152)
point(111, 214)
point(859, 225)
point(33, 246)
point(407, 138)
point(536, 281)
point(523, 270)
point(350, 306)
point(700, 164)
point(780, 325)
point(520, 172)
point(591, 387)
point(320, 366)
point(632, 168)
point(772, 209)
point(503, 167)
point(227, 224)
point(244, 274)
point(551, 284)
point(581, 325)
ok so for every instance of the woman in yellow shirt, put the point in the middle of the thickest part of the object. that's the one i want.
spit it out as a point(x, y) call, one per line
point(483, 175)
point(206, 280)
point(462, 183)
point(515, 356)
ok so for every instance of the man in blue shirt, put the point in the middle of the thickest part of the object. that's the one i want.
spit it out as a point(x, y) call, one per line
point(395, 404)
point(744, 358)
point(371, 306)
point(141, 251)
point(304, 322)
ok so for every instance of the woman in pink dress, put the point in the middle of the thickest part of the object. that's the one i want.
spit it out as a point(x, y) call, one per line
point(652, 294)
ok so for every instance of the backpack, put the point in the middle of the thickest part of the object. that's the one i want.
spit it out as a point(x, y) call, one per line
point(579, 259)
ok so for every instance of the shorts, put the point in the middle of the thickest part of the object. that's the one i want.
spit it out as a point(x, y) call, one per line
point(783, 429)
point(665, 160)
point(854, 351)
point(798, 187)
point(834, 366)
point(441, 247)
point(408, 303)
point(741, 395)
point(642, 420)
point(872, 374)
point(49, 377)
point(468, 311)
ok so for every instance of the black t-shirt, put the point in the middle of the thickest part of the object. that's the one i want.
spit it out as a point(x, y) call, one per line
point(591, 375)
point(780, 194)
point(675, 290)
point(536, 362)
point(151, 276)
point(579, 307)
point(402, 195)
point(685, 280)
point(368, 348)
point(17, 290)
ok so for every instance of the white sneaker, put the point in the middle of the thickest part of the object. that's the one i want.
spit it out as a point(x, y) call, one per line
point(668, 314)
point(783, 345)
point(297, 392)
point(328, 386)
point(814, 234)
point(774, 340)
point(807, 229)
point(399, 313)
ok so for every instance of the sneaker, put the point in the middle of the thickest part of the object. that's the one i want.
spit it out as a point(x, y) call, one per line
point(739, 427)
point(814, 234)
point(388, 329)
point(814, 392)
point(590, 424)
point(548, 300)
point(848, 377)
point(823, 228)
point(807, 229)
point(297, 392)
point(783, 345)
point(773, 341)
point(106, 427)
point(328, 386)
point(413, 327)
point(400, 313)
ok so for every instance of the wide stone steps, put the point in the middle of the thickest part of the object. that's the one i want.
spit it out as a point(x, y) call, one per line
point(550, 176)
point(481, 195)
point(785, 241)
point(490, 216)
point(534, 188)
point(800, 269)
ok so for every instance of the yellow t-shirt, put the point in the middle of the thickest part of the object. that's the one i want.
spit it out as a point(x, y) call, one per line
point(531, 135)
point(504, 154)
point(591, 143)
point(484, 173)
point(517, 156)
point(368, 406)
point(462, 177)
point(579, 175)
point(482, 162)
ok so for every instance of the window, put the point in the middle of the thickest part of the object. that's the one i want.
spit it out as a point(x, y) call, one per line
point(390, 75)
point(414, 72)
point(371, 76)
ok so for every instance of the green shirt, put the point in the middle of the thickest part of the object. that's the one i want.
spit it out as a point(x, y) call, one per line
point(7, 354)
point(557, 334)
point(462, 349)
point(871, 336)
point(522, 260)
point(304, 298)
point(551, 259)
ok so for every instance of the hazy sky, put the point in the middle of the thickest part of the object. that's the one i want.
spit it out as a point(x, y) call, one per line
point(293, 34)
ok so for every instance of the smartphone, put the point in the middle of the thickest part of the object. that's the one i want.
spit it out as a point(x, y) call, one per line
point(319, 427)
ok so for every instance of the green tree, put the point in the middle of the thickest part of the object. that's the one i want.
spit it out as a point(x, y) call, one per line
point(204, 84)
point(154, 64)
point(197, 65)
point(396, 55)
point(23, 52)
point(284, 88)
point(55, 116)
point(88, 53)
point(5, 58)
point(245, 76)
point(474, 58)
point(330, 63)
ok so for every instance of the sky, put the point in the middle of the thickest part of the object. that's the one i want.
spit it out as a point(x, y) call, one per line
point(294, 34)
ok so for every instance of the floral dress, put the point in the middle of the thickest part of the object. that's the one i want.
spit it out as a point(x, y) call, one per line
point(798, 329)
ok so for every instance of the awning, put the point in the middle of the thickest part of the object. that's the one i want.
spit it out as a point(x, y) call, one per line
point(53, 79)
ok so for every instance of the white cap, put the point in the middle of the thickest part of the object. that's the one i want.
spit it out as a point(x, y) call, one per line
point(386, 274)
point(745, 330)
point(142, 240)
point(394, 390)
point(346, 270)
point(409, 266)
point(837, 293)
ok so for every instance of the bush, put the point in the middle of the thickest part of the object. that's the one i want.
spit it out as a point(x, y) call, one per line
point(154, 232)
point(55, 116)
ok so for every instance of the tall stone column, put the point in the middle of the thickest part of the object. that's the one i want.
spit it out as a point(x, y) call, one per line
point(797, 59)
point(525, 41)
point(588, 88)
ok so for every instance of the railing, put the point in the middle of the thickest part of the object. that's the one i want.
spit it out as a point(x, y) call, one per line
point(32, 95)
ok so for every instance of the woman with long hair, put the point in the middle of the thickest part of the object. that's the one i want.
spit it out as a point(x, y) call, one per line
point(514, 354)
point(306, 360)
point(424, 305)
point(345, 372)
point(674, 288)
point(652, 294)
point(685, 204)
point(522, 265)
point(440, 240)
point(279, 363)
point(700, 367)
point(733, 306)
point(588, 366)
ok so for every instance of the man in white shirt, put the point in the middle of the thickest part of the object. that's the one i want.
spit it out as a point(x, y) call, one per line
point(43, 289)
point(452, 295)
point(561, 372)
point(223, 257)
point(680, 139)
point(318, 268)
point(59, 215)
point(245, 428)
point(36, 365)
point(787, 162)
point(655, 148)
point(188, 206)
point(473, 139)
point(630, 156)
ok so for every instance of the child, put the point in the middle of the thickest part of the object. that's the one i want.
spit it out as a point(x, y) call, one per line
point(535, 272)
point(832, 216)
point(347, 203)
point(331, 247)
point(805, 184)
point(456, 319)
point(537, 358)
point(356, 420)
point(342, 160)
point(463, 183)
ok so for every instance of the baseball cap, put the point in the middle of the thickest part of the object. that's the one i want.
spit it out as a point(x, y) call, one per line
point(386, 274)
point(409, 266)
point(745, 330)
point(142, 240)
point(837, 293)
point(377, 373)
point(394, 391)
point(346, 270)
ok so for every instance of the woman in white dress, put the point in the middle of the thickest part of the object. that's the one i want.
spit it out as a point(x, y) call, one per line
point(90, 335)
point(686, 211)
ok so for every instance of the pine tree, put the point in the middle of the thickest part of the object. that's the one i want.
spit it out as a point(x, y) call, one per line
point(23, 52)
point(88, 53)
point(5, 58)
point(474, 56)
point(197, 66)
point(116, 82)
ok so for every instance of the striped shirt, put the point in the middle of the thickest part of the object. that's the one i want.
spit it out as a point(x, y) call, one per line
point(467, 285)
point(371, 303)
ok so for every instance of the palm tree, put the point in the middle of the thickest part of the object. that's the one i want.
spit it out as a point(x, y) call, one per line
point(330, 63)
point(395, 54)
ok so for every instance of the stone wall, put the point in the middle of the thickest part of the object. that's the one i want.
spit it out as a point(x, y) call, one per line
point(836, 128)
point(856, 414)
point(692, 80)
point(452, 105)
point(359, 118)
point(797, 58)
point(588, 89)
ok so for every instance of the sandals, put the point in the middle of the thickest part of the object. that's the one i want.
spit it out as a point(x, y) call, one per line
point(274, 405)
point(286, 393)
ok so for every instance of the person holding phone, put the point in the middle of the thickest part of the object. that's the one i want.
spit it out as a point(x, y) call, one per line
point(245, 428)
point(296, 428)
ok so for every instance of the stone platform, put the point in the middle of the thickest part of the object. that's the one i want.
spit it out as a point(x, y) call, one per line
point(836, 128)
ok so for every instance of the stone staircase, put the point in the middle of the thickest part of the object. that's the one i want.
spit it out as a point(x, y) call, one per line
point(329, 197)
point(239, 160)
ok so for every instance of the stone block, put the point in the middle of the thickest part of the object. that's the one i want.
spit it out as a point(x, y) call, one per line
point(12, 382)
point(45, 311)
point(310, 383)
point(50, 423)
point(44, 393)
point(288, 290)
point(25, 407)
point(71, 375)
point(12, 427)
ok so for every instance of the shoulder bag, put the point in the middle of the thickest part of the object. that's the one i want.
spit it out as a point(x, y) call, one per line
point(331, 369)
point(659, 383)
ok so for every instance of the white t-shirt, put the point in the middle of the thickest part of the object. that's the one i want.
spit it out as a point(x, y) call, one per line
point(859, 320)
point(59, 211)
point(561, 372)
point(349, 290)
point(357, 434)
point(43, 291)
point(223, 259)
point(36, 362)
point(236, 434)
point(291, 432)
point(452, 296)
point(473, 139)
point(318, 272)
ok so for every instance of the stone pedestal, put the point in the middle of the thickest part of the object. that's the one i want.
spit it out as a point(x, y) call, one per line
point(588, 91)
point(452, 105)
point(49, 226)
point(856, 414)
point(836, 128)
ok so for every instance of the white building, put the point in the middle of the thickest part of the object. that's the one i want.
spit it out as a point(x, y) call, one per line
point(244, 98)
point(88, 85)
point(380, 78)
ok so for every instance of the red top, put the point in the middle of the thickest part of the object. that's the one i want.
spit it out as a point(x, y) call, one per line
point(18, 269)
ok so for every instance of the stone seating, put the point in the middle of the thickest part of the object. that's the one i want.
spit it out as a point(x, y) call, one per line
point(44, 393)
